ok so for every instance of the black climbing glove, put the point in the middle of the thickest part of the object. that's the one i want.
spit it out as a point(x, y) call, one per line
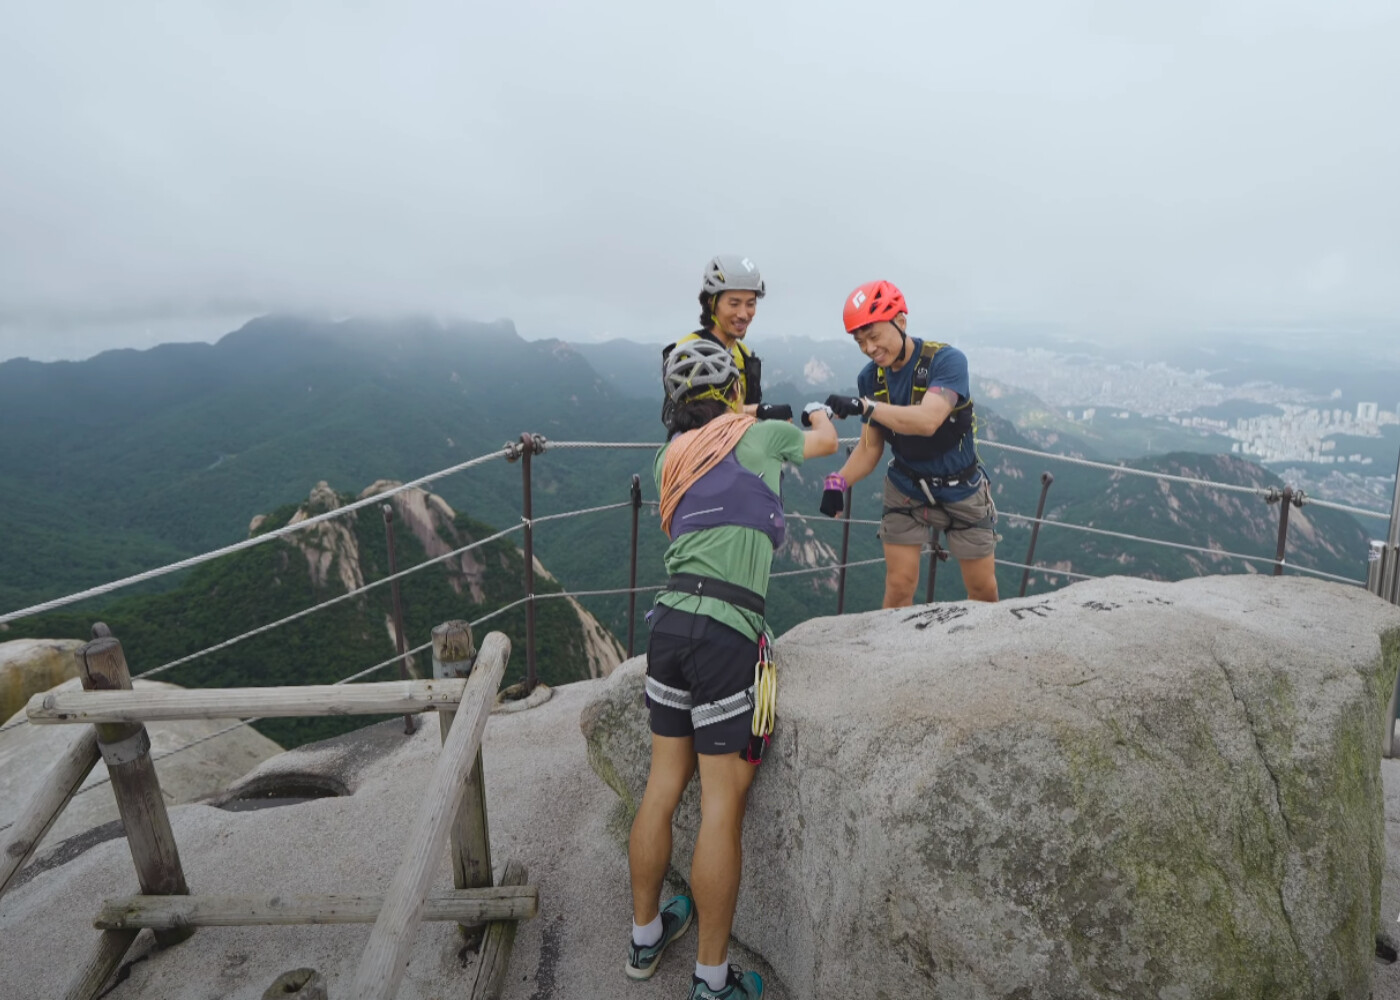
point(812, 408)
point(834, 494)
point(846, 406)
point(774, 411)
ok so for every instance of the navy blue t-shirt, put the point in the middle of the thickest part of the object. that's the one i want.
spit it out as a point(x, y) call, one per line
point(949, 369)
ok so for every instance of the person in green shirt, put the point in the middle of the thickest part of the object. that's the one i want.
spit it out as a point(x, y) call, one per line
point(720, 477)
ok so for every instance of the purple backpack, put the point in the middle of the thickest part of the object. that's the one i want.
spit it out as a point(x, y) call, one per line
point(730, 494)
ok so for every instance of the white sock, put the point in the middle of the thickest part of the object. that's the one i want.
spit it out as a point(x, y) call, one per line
point(715, 976)
point(647, 935)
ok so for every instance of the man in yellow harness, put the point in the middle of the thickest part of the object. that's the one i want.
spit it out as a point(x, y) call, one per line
point(915, 394)
point(729, 292)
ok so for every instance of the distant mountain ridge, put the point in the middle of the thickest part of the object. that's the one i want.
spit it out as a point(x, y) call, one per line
point(133, 458)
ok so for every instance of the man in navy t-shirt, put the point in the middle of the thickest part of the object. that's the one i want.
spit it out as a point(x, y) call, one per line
point(916, 396)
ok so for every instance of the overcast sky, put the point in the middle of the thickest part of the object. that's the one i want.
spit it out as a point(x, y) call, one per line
point(168, 170)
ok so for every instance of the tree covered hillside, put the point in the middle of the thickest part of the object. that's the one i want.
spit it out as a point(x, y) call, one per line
point(243, 591)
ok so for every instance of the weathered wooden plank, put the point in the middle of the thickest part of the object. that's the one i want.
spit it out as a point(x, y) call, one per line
point(387, 698)
point(385, 957)
point(104, 961)
point(454, 652)
point(62, 779)
point(126, 749)
point(490, 974)
point(475, 906)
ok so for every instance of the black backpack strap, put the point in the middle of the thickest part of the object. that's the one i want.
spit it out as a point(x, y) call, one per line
point(921, 371)
point(752, 372)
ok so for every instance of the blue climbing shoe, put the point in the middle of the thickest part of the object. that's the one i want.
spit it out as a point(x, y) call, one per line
point(675, 921)
point(739, 986)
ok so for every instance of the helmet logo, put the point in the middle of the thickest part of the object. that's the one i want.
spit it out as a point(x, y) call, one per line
point(748, 264)
point(858, 300)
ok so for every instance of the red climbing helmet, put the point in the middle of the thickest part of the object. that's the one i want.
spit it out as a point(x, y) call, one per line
point(872, 302)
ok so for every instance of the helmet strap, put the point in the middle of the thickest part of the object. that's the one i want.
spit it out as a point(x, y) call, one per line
point(723, 336)
point(903, 341)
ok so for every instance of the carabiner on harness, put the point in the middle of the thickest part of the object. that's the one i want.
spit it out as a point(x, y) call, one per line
point(765, 697)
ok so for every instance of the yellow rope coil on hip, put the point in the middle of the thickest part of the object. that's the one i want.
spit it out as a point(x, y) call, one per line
point(765, 690)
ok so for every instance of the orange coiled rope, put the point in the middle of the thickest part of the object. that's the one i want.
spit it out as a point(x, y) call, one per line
point(695, 453)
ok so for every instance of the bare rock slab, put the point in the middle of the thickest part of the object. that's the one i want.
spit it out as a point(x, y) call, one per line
point(1122, 789)
point(28, 666)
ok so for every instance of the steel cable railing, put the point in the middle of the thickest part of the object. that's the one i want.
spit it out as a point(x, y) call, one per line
point(1124, 536)
point(528, 523)
point(327, 603)
point(1044, 570)
point(1259, 491)
point(247, 543)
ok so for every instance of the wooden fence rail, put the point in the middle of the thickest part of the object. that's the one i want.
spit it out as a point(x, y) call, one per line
point(453, 809)
point(307, 701)
point(518, 902)
point(59, 784)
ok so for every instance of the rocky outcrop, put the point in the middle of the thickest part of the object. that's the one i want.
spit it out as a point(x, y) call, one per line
point(546, 809)
point(28, 666)
point(345, 552)
point(1120, 789)
point(329, 545)
point(431, 519)
point(600, 646)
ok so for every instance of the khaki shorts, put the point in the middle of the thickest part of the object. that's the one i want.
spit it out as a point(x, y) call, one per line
point(968, 525)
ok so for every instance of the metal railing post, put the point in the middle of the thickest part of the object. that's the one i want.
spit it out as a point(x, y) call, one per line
point(845, 548)
point(1045, 480)
point(1388, 588)
point(632, 577)
point(399, 642)
point(1375, 566)
point(1389, 584)
point(1285, 498)
point(527, 449)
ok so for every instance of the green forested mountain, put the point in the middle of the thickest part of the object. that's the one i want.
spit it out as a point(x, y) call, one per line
point(242, 591)
point(132, 459)
point(127, 460)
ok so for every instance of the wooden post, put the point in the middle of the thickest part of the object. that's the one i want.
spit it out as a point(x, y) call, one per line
point(495, 947)
point(126, 747)
point(454, 652)
point(385, 957)
point(60, 783)
point(112, 947)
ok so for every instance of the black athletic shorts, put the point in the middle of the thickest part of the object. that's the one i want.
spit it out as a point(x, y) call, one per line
point(700, 680)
